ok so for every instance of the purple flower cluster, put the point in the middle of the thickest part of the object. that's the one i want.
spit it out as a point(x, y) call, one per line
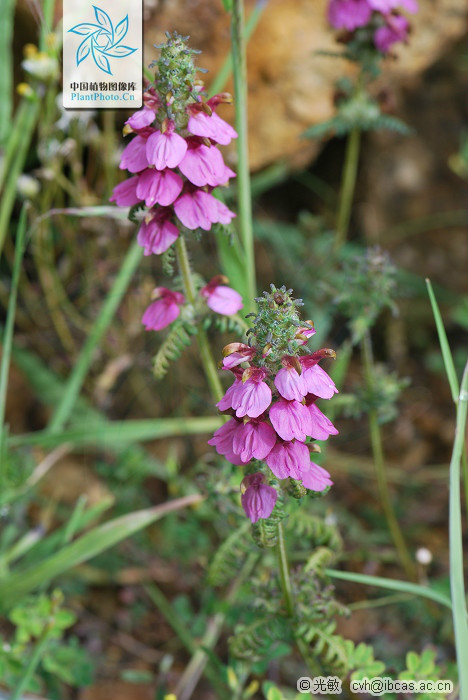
point(390, 26)
point(273, 413)
point(173, 172)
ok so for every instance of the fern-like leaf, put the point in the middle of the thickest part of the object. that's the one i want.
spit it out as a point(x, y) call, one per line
point(227, 560)
point(174, 344)
point(325, 646)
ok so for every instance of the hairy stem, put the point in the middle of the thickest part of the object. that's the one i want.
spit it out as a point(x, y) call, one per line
point(348, 185)
point(243, 171)
point(379, 462)
point(206, 356)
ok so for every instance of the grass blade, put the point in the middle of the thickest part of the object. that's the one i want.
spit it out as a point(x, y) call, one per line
point(99, 539)
point(392, 585)
point(9, 329)
point(444, 346)
point(80, 370)
point(112, 434)
point(457, 584)
point(6, 74)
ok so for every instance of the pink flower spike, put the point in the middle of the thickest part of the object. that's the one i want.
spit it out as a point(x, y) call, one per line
point(315, 478)
point(258, 498)
point(290, 419)
point(349, 14)
point(226, 402)
point(223, 438)
point(159, 187)
point(124, 194)
point(320, 426)
point(222, 299)
point(197, 209)
point(134, 155)
point(288, 459)
point(164, 310)
point(141, 119)
point(212, 127)
point(165, 150)
point(255, 439)
point(318, 382)
point(290, 383)
point(253, 396)
point(158, 234)
point(203, 165)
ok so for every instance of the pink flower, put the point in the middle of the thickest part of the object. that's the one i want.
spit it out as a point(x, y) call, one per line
point(253, 439)
point(141, 119)
point(304, 333)
point(315, 478)
point(226, 402)
point(124, 194)
point(213, 127)
point(158, 234)
point(317, 381)
point(222, 299)
point(134, 155)
point(289, 459)
point(164, 310)
point(204, 165)
point(394, 31)
point(290, 419)
point(258, 499)
point(223, 438)
point(320, 426)
point(251, 397)
point(223, 214)
point(349, 14)
point(386, 6)
point(199, 209)
point(158, 187)
point(289, 382)
point(166, 149)
point(236, 353)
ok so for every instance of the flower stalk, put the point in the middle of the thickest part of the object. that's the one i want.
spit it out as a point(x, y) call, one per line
point(244, 196)
point(207, 359)
point(379, 462)
point(348, 186)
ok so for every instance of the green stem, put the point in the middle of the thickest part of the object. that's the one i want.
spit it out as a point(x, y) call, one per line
point(288, 595)
point(284, 572)
point(243, 171)
point(348, 184)
point(225, 71)
point(457, 585)
point(377, 452)
point(207, 359)
point(34, 661)
point(7, 340)
point(24, 135)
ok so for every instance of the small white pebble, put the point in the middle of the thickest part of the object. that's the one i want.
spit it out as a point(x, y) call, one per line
point(423, 556)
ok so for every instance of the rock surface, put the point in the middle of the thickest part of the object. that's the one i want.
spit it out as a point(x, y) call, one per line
point(290, 87)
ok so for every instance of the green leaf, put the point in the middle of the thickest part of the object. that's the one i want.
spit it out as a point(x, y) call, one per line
point(16, 585)
point(444, 345)
point(112, 434)
point(7, 340)
point(392, 584)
